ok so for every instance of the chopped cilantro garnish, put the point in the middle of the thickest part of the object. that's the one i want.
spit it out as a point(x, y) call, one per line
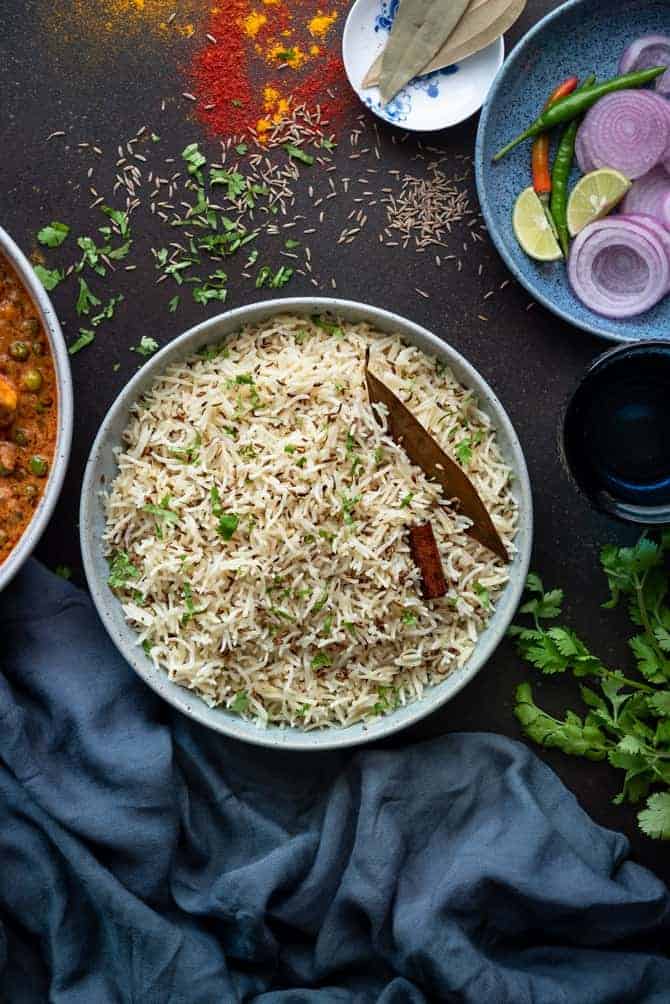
point(483, 594)
point(85, 338)
point(121, 570)
point(147, 646)
point(190, 612)
point(244, 378)
point(321, 660)
point(464, 450)
point(119, 218)
point(281, 277)
point(389, 700)
point(49, 277)
point(241, 149)
point(53, 235)
point(235, 182)
point(327, 628)
point(408, 617)
point(174, 303)
point(290, 244)
point(405, 501)
point(107, 311)
point(162, 513)
point(320, 603)
point(228, 521)
point(289, 448)
point(327, 144)
point(240, 703)
point(155, 138)
point(263, 275)
point(91, 255)
point(147, 346)
point(194, 159)
point(379, 456)
point(296, 153)
point(189, 454)
point(86, 299)
point(348, 503)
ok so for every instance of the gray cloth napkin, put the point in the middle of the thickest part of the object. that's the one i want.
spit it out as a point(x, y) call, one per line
point(144, 858)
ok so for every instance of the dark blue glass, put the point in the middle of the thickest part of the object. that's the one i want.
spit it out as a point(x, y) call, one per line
point(616, 433)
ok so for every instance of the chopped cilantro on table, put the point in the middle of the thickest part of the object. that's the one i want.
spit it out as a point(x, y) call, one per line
point(107, 311)
point(146, 347)
point(64, 571)
point(194, 159)
point(327, 144)
point(119, 218)
point(174, 303)
point(85, 337)
point(297, 153)
point(49, 277)
point(627, 716)
point(53, 235)
point(241, 149)
point(290, 244)
point(86, 299)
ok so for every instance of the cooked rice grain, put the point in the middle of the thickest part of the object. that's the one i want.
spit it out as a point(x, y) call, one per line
point(311, 614)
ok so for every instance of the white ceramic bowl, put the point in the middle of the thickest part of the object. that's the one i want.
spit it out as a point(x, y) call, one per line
point(52, 489)
point(434, 101)
point(101, 469)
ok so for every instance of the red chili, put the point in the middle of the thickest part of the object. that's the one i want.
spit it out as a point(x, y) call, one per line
point(540, 149)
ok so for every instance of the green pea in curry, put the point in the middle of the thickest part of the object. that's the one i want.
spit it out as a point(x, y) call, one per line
point(28, 409)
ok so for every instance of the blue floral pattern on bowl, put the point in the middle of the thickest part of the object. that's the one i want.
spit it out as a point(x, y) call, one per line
point(434, 101)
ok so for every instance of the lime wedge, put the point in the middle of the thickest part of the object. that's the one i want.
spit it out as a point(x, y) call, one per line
point(594, 196)
point(532, 228)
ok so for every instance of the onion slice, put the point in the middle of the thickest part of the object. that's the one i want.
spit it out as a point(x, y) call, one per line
point(582, 155)
point(618, 268)
point(646, 52)
point(661, 233)
point(627, 130)
point(649, 194)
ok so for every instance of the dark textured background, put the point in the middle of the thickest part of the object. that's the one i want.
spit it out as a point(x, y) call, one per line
point(102, 94)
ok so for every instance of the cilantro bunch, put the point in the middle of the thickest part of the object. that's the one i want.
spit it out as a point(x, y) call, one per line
point(627, 720)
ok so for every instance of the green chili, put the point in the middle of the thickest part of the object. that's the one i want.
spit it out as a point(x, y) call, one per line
point(560, 174)
point(578, 102)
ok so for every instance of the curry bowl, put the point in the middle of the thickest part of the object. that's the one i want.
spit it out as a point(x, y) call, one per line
point(103, 466)
point(45, 477)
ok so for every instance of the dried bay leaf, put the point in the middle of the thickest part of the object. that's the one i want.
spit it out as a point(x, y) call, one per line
point(406, 430)
point(482, 23)
point(420, 29)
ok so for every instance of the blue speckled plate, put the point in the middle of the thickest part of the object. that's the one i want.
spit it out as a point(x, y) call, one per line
point(581, 37)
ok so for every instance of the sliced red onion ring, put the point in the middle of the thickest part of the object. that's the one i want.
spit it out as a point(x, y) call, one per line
point(618, 268)
point(651, 50)
point(582, 154)
point(627, 130)
point(646, 195)
point(651, 223)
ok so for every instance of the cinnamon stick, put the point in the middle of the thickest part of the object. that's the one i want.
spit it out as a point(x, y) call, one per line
point(427, 559)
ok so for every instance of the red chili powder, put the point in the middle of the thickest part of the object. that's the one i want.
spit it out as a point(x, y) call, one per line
point(269, 56)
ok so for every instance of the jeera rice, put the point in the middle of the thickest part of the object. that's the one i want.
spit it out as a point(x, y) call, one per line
point(257, 527)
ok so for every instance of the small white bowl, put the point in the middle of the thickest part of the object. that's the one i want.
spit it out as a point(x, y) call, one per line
point(434, 101)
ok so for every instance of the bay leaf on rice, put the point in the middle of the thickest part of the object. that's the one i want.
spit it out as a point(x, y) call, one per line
point(482, 23)
point(420, 29)
point(406, 430)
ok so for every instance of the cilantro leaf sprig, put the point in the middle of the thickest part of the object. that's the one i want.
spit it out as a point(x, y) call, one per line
point(627, 719)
